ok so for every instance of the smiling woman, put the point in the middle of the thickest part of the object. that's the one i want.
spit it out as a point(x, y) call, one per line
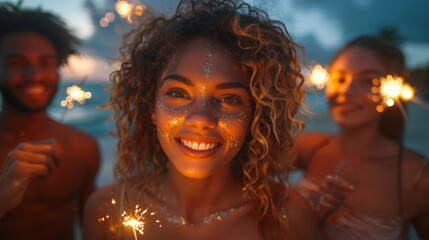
point(204, 104)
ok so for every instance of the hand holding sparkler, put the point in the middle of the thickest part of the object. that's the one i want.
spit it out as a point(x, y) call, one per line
point(28, 161)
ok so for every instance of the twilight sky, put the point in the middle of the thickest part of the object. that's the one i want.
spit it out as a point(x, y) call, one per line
point(322, 26)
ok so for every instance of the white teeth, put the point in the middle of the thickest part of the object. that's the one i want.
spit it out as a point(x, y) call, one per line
point(34, 90)
point(198, 146)
point(202, 146)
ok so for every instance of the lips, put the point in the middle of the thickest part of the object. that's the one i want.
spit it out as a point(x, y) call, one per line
point(345, 107)
point(198, 147)
point(34, 90)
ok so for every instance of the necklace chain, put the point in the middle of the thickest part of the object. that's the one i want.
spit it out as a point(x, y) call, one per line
point(218, 215)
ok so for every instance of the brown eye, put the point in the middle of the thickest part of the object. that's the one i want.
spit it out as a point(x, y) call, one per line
point(230, 100)
point(49, 63)
point(13, 62)
point(177, 93)
point(340, 80)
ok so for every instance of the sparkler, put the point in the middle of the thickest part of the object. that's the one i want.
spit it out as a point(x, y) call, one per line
point(135, 221)
point(319, 77)
point(390, 90)
point(126, 10)
point(74, 93)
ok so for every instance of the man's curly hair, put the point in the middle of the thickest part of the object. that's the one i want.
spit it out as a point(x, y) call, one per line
point(14, 19)
point(263, 47)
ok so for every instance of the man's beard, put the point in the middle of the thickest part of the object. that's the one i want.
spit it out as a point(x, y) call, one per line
point(16, 103)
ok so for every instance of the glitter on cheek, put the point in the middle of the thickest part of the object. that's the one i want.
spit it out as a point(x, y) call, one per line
point(232, 139)
point(162, 108)
point(240, 116)
point(171, 125)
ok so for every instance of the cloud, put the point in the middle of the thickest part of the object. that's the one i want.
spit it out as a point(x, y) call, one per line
point(366, 17)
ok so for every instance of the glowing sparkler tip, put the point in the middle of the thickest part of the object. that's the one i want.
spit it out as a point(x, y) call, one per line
point(393, 88)
point(390, 102)
point(319, 77)
point(123, 8)
point(379, 108)
point(407, 92)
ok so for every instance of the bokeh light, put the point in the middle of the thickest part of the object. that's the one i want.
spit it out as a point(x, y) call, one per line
point(319, 77)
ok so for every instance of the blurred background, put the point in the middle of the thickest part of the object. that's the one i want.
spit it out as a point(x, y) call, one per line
point(322, 27)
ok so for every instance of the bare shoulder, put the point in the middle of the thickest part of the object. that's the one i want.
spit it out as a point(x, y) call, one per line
point(80, 145)
point(306, 143)
point(101, 199)
point(100, 213)
point(302, 218)
point(78, 135)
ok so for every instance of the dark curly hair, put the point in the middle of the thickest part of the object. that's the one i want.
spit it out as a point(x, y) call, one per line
point(263, 47)
point(14, 19)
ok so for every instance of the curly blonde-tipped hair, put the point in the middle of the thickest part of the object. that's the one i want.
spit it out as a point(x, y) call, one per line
point(264, 48)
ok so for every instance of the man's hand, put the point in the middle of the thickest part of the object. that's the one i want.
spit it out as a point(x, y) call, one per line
point(28, 161)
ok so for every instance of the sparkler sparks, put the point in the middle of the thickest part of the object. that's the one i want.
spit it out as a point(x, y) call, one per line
point(319, 77)
point(126, 9)
point(392, 89)
point(134, 220)
point(75, 93)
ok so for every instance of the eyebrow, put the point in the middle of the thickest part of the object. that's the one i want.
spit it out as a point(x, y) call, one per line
point(370, 71)
point(231, 85)
point(188, 82)
point(178, 78)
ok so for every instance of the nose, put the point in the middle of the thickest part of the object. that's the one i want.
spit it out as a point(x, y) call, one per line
point(201, 118)
point(350, 86)
point(33, 72)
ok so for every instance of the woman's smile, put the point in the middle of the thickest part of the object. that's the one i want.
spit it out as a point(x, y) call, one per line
point(202, 107)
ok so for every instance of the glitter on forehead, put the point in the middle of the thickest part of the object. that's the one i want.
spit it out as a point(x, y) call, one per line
point(204, 99)
point(209, 62)
point(207, 66)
